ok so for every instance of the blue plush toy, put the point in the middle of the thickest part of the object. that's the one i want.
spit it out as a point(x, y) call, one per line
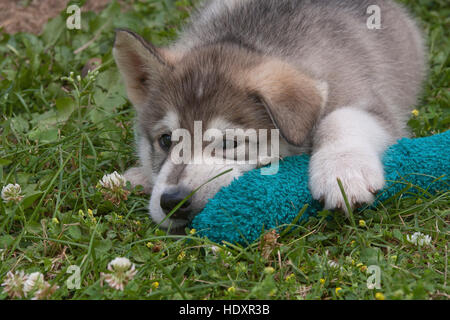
point(254, 202)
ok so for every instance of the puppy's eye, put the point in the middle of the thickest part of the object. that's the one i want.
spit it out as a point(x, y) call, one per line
point(229, 144)
point(165, 142)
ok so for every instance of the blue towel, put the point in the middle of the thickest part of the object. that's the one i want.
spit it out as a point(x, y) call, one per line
point(254, 202)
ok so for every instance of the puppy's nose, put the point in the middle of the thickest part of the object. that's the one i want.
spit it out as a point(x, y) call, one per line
point(171, 199)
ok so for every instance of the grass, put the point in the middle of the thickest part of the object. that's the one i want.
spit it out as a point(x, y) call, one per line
point(59, 137)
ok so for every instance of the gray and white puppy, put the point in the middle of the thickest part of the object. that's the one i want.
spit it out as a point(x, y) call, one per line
point(312, 69)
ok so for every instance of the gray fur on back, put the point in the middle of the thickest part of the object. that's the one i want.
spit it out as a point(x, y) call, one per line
point(380, 70)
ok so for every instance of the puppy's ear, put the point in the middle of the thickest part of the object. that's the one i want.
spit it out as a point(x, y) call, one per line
point(293, 100)
point(139, 62)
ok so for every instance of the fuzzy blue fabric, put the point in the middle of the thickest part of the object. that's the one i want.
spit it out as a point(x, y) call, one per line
point(252, 203)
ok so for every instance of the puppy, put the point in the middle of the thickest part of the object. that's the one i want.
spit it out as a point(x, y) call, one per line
point(314, 71)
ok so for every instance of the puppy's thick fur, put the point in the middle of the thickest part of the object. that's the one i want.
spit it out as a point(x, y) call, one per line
point(312, 69)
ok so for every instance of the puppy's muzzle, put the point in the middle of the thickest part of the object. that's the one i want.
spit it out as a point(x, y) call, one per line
point(169, 200)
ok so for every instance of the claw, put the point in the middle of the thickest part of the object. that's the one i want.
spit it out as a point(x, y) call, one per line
point(373, 191)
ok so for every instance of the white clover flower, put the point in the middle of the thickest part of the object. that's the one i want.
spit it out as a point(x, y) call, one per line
point(333, 264)
point(218, 251)
point(34, 281)
point(11, 192)
point(336, 266)
point(14, 284)
point(19, 285)
point(120, 264)
point(113, 181)
point(112, 187)
point(44, 291)
point(215, 249)
point(419, 238)
point(122, 271)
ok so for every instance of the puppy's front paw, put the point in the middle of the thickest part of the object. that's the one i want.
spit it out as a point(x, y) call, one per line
point(137, 177)
point(361, 174)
